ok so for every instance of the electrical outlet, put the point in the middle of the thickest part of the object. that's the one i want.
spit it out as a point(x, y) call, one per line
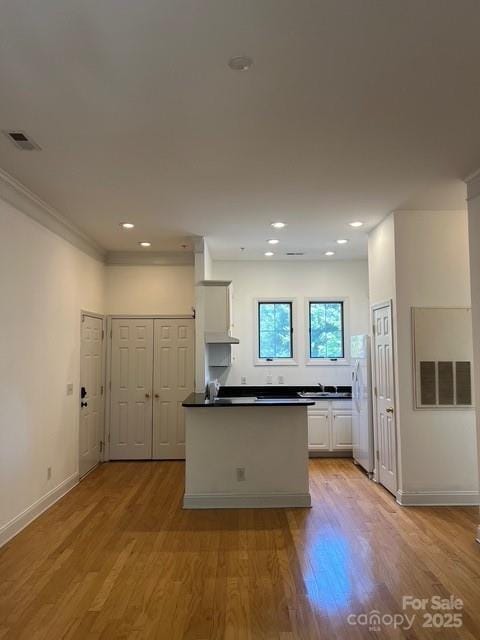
point(49, 473)
point(243, 380)
point(280, 380)
point(70, 389)
point(240, 474)
point(269, 379)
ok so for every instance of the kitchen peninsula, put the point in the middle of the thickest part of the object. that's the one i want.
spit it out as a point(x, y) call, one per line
point(246, 452)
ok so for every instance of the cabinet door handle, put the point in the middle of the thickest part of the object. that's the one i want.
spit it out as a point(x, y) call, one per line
point(147, 395)
point(157, 395)
point(389, 410)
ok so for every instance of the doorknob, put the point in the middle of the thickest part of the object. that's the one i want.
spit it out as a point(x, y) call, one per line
point(389, 410)
point(157, 395)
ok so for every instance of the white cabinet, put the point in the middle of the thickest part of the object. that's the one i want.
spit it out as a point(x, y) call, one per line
point(217, 296)
point(318, 431)
point(218, 306)
point(330, 428)
point(341, 430)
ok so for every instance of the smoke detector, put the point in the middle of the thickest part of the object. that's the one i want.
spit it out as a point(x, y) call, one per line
point(240, 63)
point(22, 141)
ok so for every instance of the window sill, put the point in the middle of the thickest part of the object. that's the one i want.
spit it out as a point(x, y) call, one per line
point(319, 362)
point(288, 362)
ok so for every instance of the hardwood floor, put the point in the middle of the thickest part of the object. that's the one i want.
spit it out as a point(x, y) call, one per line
point(119, 558)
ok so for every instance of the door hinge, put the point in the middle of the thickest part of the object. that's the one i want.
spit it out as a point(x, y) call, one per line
point(378, 454)
point(101, 390)
point(111, 333)
point(103, 334)
point(373, 329)
point(101, 446)
point(110, 385)
point(375, 391)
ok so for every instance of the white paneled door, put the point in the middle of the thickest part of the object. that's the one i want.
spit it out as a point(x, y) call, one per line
point(385, 408)
point(173, 380)
point(152, 372)
point(91, 390)
point(131, 389)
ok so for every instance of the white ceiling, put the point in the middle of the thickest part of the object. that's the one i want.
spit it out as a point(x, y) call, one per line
point(352, 109)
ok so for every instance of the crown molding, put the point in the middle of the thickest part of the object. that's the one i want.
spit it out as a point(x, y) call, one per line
point(18, 196)
point(152, 258)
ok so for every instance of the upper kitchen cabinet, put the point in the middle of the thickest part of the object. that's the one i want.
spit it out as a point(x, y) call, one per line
point(218, 312)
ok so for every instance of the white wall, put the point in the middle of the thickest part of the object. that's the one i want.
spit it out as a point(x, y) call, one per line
point(432, 268)
point(437, 448)
point(383, 288)
point(44, 284)
point(150, 290)
point(299, 280)
point(381, 262)
point(474, 246)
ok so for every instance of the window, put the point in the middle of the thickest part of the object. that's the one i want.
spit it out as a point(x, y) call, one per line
point(275, 331)
point(326, 330)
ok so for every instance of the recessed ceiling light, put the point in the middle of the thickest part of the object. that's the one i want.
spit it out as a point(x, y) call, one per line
point(278, 225)
point(127, 225)
point(342, 241)
point(269, 254)
point(329, 253)
point(145, 244)
point(273, 241)
point(357, 223)
point(240, 63)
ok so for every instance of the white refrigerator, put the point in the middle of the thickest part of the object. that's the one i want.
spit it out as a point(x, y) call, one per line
point(362, 411)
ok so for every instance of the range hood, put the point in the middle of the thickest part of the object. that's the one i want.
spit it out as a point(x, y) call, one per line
point(220, 338)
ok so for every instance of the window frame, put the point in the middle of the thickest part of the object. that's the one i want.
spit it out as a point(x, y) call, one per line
point(327, 362)
point(274, 362)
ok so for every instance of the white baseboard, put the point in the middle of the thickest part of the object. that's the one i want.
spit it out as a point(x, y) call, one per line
point(239, 501)
point(347, 453)
point(9, 530)
point(438, 498)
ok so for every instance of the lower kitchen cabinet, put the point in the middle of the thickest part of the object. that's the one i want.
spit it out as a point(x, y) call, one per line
point(330, 428)
point(319, 430)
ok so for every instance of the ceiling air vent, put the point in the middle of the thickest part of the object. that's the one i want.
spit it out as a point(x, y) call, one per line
point(294, 253)
point(22, 141)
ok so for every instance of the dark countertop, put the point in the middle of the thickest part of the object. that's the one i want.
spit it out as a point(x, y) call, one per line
point(284, 391)
point(199, 400)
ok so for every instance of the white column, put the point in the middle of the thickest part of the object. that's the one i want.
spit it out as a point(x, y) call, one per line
point(473, 199)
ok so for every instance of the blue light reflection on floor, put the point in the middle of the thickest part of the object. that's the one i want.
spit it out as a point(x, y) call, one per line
point(328, 574)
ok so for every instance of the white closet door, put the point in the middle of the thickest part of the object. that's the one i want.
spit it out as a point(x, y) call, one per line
point(131, 392)
point(91, 406)
point(385, 407)
point(173, 382)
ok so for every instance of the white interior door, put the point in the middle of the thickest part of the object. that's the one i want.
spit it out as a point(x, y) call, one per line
point(91, 391)
point(173, 381)
point(131, 389)
point(385, 407)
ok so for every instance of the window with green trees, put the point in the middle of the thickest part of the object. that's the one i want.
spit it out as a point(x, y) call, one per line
point(275, 330)
point(326, 330)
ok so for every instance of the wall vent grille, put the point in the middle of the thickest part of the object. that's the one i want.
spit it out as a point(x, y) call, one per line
point(22, 141)
point(445, 384)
